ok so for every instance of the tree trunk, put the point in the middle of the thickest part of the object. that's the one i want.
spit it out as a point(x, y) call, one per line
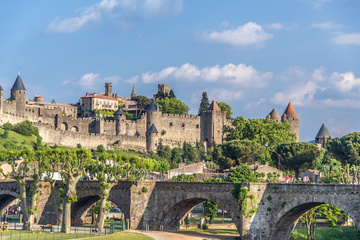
point(69, 194)
point(23, 204)
point(93, 218)
point(101, 216)
point(55, 202)
point(211, 219)
point(33, 201)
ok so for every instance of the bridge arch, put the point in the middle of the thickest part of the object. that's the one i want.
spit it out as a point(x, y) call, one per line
point(74, 129)
point(284, 222)
point(6, 198)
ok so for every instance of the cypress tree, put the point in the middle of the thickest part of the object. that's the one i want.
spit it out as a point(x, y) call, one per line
point(204, 104)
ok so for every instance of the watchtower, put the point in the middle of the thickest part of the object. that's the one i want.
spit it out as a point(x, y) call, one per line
point(18, 94)
point(120, 125)
point(153, 118)
point(164, 88)
point(108, 89)
point(292, 118)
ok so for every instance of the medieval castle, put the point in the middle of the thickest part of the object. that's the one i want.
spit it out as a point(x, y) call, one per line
point(69, 125)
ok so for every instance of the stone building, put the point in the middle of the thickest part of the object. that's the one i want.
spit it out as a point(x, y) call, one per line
point(164, 88)
point(92, 102)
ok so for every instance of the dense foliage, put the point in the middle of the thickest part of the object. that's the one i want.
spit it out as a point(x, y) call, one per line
point(297, 156)
point(25, 128)
point(225, 108)
point(172, 106)
point(204, 104)
point(345, 149)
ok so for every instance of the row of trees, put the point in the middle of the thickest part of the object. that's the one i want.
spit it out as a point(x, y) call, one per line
point(72, 165)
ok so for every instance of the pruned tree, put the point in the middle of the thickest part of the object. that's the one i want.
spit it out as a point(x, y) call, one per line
point(26, 165)
point(72, 165)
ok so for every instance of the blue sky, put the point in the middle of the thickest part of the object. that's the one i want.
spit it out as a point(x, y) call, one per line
point(253, 55)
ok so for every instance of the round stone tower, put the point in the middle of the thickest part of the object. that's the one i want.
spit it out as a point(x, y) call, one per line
point(152, 138)
point(119, 118)
point(18, 94)
point(153, 117)
point(292, 118)
point(273, 115)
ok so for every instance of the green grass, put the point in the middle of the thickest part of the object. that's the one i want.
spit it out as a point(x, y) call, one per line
point(15, 141)
point(216, 220)
point(326, 233)
point(212, 231)
point(36, 235)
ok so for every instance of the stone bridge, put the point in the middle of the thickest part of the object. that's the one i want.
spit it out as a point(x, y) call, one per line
point(276, 207)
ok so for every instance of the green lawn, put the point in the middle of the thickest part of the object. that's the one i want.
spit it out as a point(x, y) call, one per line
point(30, 235)
point(326, 233)
point(15, 141)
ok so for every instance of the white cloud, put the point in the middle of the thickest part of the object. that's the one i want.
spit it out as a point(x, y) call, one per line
point(247, 34)
point(325, 25)
point(318, 74)
point(236, 74)
point(351, 38)
point(275, 26)
point(91, 81)
point(119, 10)
point(345, 82)
point(300, 94)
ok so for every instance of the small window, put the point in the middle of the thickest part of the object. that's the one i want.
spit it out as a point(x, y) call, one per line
point(183, 125)
point(171, 124)
point(197, 125)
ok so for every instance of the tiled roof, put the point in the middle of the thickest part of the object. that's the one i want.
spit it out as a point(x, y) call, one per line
point(101, 96)
point(214, 106)
point(18, 85)
point(153, 129)
point(273, 115)
point(290, 111)
point(323, 132)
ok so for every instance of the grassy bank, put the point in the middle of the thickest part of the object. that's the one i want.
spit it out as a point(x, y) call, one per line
point(212, 231)
point(327, 233)
point(123, 236)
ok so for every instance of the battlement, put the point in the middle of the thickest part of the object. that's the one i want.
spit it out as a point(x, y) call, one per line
point(181, 116)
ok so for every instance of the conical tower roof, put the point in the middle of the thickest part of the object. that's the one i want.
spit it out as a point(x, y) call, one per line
point(290, 111)
point(323, 132)
point(153, 129)
point(1, 89)
point(273, 115)
point(153, 107)
point(119, 112)
point(18, 85)
point(133, 92)
point(214, 106)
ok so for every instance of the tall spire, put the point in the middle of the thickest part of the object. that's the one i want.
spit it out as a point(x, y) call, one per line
point(274, 115)
point(133, 92)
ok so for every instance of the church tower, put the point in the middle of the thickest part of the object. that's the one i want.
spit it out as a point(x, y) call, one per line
point(133, 92)
point(108, 89)
point(18, 94)
point(292, 118)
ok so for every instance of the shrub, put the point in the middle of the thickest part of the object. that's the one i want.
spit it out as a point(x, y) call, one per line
point(78, 145)
point(6, 134)
point(205, 226)
point(100, 148)
point(25, 128)
point(8, 126)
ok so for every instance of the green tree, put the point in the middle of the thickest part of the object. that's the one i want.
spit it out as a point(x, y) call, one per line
point(32, 166)
point(72, 165)
point(184, 178)
point(241, 151)
point(190, 153)
point(259, 130)
point(8, 126)
point(172, 94)
point(204, 104)
point(172, 106)
point(53, 101)
point(225, 108)
point(100, 148)
point(242, 174)
point(25, 128)
point(143, 101)
point(345, 149)
point(211, 209)
point(297, 155)
point(329, 212)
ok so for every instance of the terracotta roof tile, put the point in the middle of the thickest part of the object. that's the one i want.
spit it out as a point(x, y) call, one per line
point(214, 106)
point(290, 111)
point(102, 96)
